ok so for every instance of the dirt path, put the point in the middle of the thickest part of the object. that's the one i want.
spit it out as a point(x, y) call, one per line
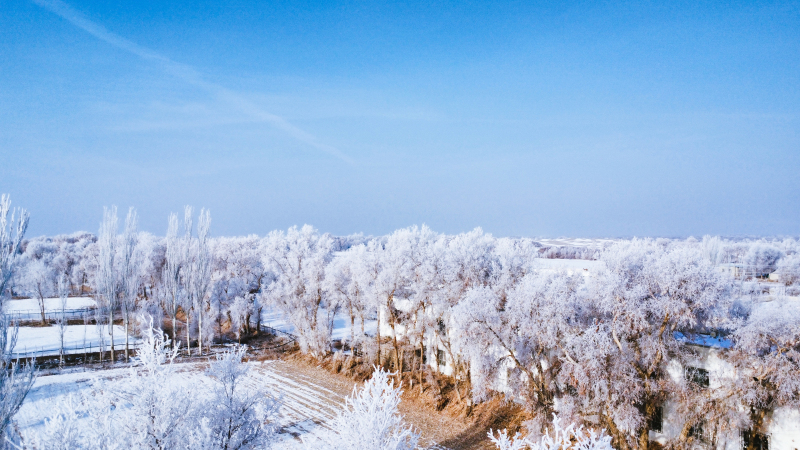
point(437, 429)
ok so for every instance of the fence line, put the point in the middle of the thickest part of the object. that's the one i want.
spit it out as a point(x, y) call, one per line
point(275, 331)
point(73, 350)
point(35, 314)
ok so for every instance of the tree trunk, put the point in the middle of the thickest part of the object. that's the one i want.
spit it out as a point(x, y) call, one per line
point(618, 438)
point(644, 432)
point(757, 418)
point(111, 330)
point(644, 437)
point(41, 307)
point(127, 333)
point(200, 328)
point(174, 321)
point(100, 345)
point(421, 361)
point(397, 366)
point(188, 342)
point(378, 338)
point(352, 327)
point(393, 323)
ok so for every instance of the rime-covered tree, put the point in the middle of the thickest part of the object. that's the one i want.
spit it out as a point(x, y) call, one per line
point(640, 310)
point(15, 380)
point(159, 411)
point(516, 337)
point(108, 279)
point(370, 419)
point(297, 259)
point(171, 273)
point(766, 355)
point(343, 287)
point(129, 261)
point(761, 258)
point(238, 416)
point(200, 272)
point(38, 280)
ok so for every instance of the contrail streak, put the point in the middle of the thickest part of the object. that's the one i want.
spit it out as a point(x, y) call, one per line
point(188, 74)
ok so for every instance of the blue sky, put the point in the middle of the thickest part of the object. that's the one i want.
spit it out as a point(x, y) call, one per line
point(594, 119)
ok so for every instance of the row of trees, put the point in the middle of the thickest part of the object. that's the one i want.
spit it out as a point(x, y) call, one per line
point(148, 409)
point(597, 347)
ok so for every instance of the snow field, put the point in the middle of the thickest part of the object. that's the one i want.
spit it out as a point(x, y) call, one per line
point(50, 304)
point(341, 325)
point(45, 341)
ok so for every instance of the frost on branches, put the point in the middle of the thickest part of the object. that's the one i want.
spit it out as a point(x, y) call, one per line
point(569, 438)
point(370, 419)
point(767, 352)
point(15, 380)
point(238, 417)
point(297, 259)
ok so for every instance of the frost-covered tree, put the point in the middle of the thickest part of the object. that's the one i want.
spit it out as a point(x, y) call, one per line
point(100, 316)
point(236, 276)
point(148, 410)
point(200, 272)
point(238, 416)
point(516, 337)
point(186, 278)
point(788, 269)
point(344, 288)
point(171, 273)
point(766, 354)
point(456, 266)
point(761, 258)
point(39, 281)
point(712, 248)
point(370, 419)
point(129, 262)
point(297, 259)
point(240, 312)
point(395, 269)
point(651, 297)
point(15, 380)
point(108, 280)
point(158, 410)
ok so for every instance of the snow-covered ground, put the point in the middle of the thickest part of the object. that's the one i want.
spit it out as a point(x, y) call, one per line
point(28, 308)
point(307, 407)
point(44, 341)
point(341, 325)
